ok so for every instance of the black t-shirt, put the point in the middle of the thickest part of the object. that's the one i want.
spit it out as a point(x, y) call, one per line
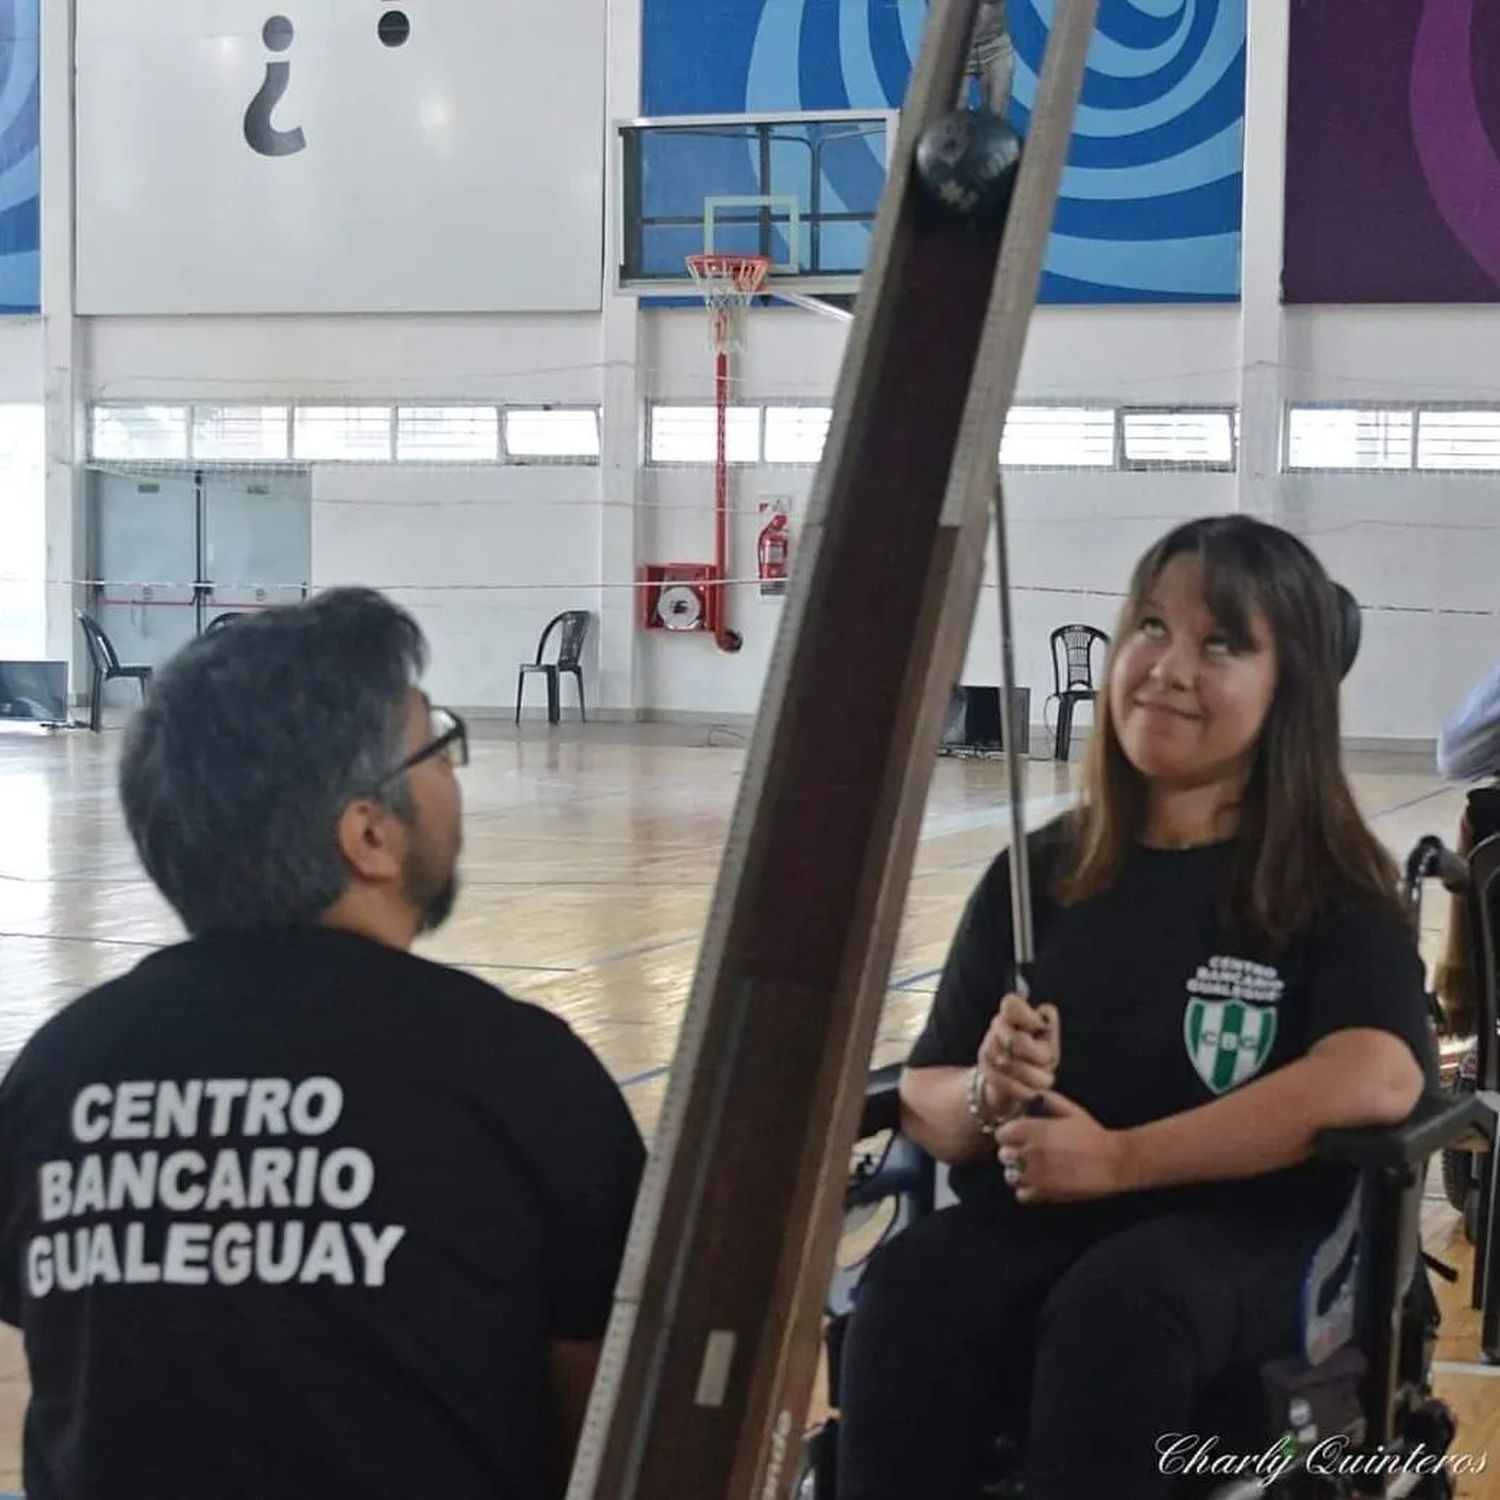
point(296, 1215)
point(1163, 1010)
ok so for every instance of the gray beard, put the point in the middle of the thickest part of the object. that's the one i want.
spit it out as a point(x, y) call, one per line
point(440, 907)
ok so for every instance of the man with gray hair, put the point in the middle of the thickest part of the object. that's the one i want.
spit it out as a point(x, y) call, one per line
point(287, 1211)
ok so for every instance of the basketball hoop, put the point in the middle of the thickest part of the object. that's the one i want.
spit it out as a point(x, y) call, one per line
point(727, 284)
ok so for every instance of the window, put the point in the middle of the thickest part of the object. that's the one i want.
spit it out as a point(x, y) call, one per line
point(139, 433)
point(1204, 439)
point(1348, 437)
point(367, 433)
point(1059, 437)
point(240, 434)
point(1458, 440)
point(688, 435)
point(555, 433)
point(448, 434)
point(796, 434)
point(347, 434)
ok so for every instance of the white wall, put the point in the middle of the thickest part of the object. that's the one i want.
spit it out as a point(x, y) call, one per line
point(342, 171)
point(1074, 539)
point(1074, 535)
point(486, 556)
point(23, 526)
point(23, 542)
point(392, 526)
point(483, 557)
point(1423, 550)
point(521, 357)
point(1145, 355)
point(21, 363)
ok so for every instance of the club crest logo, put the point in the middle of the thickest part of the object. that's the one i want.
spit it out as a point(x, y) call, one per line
point(1230, 1022)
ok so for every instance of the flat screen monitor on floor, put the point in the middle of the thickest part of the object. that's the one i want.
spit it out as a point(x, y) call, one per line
point(34, 691)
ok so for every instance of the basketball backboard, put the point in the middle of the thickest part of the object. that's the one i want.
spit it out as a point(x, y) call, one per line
point(800, 188)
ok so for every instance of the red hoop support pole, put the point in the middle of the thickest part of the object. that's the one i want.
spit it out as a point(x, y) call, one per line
point(721, 500)
point(728, 282)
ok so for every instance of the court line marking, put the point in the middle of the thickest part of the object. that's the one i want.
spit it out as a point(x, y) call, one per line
point(646, 1077)
point(92, 942)
point(1465, 1367)
point(913, 980)
point(1441, 791)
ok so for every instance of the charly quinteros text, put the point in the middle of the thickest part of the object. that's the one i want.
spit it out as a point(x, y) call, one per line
point(289, 1176)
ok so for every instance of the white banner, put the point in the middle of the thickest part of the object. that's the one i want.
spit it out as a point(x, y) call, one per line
point(340, 155)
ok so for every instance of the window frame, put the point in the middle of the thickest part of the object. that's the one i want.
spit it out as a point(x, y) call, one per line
point(767, 407)
point(496, 456)
point(98, 407)
point(1129, 465)
point(1082, 404)
point(199, 461)
point(1390, 408)
point(1437, 408)
point(699, 404)
point(542, 460)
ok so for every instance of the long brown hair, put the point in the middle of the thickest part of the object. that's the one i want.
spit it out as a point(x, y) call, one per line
point(1302, 843)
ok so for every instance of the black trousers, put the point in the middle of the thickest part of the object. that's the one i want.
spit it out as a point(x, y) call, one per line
point(1091, 1347)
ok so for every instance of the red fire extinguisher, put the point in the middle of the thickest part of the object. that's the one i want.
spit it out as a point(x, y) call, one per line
point(774, 551)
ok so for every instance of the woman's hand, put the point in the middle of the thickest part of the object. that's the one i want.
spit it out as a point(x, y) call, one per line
point(1063, 1156)
point(1019, 1055)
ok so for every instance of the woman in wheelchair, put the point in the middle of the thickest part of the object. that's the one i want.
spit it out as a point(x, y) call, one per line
point(1222, 971)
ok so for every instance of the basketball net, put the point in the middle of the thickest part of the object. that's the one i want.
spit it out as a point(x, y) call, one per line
point(727, 284)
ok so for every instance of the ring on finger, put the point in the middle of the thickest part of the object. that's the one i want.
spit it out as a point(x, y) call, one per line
point(1014, 1173)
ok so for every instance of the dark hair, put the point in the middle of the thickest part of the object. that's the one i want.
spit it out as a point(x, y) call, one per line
point(253, 741)
point(1302, 843)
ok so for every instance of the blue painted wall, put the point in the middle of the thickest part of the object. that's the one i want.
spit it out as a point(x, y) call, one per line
point(1151, 201)
point(20, 158)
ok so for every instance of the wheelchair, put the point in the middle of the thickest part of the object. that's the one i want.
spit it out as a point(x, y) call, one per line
point(1362, 1376)
point(1471, 1177)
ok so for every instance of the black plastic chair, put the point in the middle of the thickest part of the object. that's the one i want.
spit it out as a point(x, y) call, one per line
point(107, 667)
point(575, 627)
point(1073, 677)
point(221, 622)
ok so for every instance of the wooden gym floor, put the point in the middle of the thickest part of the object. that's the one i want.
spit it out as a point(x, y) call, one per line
point(589, 863)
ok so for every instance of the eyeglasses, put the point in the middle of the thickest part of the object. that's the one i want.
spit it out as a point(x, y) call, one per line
point(450, 739)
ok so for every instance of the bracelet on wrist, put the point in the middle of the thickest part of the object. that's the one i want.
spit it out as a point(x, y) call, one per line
point(986, 1122)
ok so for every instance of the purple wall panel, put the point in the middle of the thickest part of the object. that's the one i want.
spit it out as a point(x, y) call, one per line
point(1393, 152)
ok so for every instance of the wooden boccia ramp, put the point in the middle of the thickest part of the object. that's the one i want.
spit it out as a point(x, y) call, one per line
point(710, 1356)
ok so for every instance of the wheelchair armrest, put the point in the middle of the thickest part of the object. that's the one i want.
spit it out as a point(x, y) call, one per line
point(882, 1102)
point(900, 1169)
point(1439, 1122)
point(1432, 857)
